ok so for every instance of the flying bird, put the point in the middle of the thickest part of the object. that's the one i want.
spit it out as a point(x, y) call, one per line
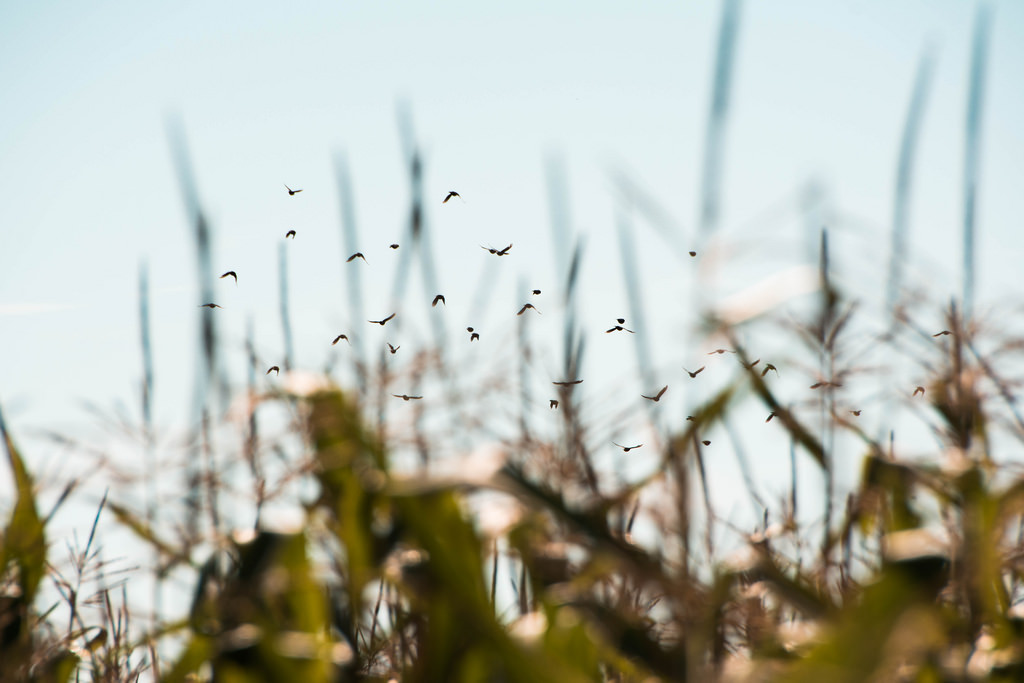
point(706, 443)
point(818, 385)
point(919, 390)
point(354, 256)
point(693, 253)
point(474, 337)
point(720, 351)
point(439, 297)
point(767, 367)
point(621, 321)
point(750, 365)
point(394, 349)
point(627, 449)
point(406, 397)
point(568, 382)
point(291, 192)
point(394, 246)
point(552, 403)
point(939, 334)
point(274, 369)
point(290, 233)
point(232, 274)
point(656, 397)
point(209, 306)
point(536, 291)
point(339, 338)
point(526, 306)
point(770, 416)
point(695, 372)
point(855, 413)
point(468, 329)
point(619, 328)
point(497, 252)
point(382, 322)
point(451, 193)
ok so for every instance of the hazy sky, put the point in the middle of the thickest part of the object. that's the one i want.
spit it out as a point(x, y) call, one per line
point(268, 94)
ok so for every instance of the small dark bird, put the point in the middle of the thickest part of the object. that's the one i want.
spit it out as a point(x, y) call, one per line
point(919, 390)
point(621, 321)
point(405, 397)
point(451, 193)
point(693, 253)
point(394, 349)
point(695, 372)
point(354, 256)
point(770, 416)
point(290, 233)
point(552, 403)
point(526, 306)
point(619, 328)
point(468, 329)
point(939, 334)
point(393, 246)
point(706, 443)
point(750, 366)
point(209, 306)
point(720, 351)
point(568, 382)
point(474, 337)
point(382, 322)
point(855, 413)
point(291, 192)
point(627, 449)
point(656, 397)
point(536, 291)
point(818, 385)
point(439, 297)
point(231, 273)
point(339, 338)
point(497, 252)
point(767, 367)
point(690, 418)
point(274, 369)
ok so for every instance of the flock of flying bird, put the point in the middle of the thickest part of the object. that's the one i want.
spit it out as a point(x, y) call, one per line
point(564, 385)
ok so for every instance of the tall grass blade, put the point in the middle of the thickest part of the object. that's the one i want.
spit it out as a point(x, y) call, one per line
point(353, 280)
point(972, 148)
point(282, 293)
point(634, 295)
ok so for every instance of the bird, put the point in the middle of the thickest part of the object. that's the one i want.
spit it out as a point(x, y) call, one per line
point(566, 383)
point(706, 443)
point(619, 328)
point(939, 334)
point(767, 367)
point(695, 372)
point(382, 322)
point(354, 256)
point(290, 233)
point(339, 338)
point(291, 192)
point(497, 252)
point(552, 403)
point(855, 413)
point(451, 193)
point(394, 349)
point(209, 306)
point(656, 397)
point(770, 416)
point(439, 297)
point(627, 449)
point(692, 254)
point(394, 246)
point(919, 390)
point(274, 369)
point(232, 274)
point(406, 397)
point(621, 321)
point(474, 337)
point(818, 385)
point(750, 366)
point(536, 292)
point(526, 306)
point(469, 329)
point(720, 351)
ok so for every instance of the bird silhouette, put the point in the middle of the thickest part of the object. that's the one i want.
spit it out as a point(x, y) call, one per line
point(618, 328)
point(339, 338)
point(552, 403)
point(469, 329)
point(706, 443)
point(394, 349)
point(536, 291)
point(393, 246)
point(290, 233)
point(439, 297)
point(627, 449)
point(656, 397)
point(566, 383)
point(621, 321)
point(720, 351)
point(939, 334)
point(474, 337)
point(770, 416)
point(693, 253)
point(274, 369)
point(382, 322)
point(291, 192)
point(818, 385)
point(406, 397)
point(354, 256)
point(695, 372)
point(209, 306)
point(497, 252)
point(451, 193)
point(231, 273)
point(526, 306)
point(919, 390)
point(855, 413)
point(767, 367)
point(750, 365)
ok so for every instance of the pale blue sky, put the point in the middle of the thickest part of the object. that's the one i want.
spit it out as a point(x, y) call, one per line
point(268, 93)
